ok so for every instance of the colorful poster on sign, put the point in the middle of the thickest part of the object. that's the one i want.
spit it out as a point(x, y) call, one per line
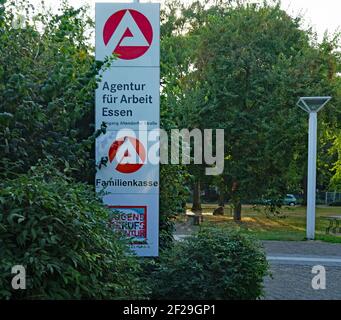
point(128, 106)
point(131, 221)
point(137, 217)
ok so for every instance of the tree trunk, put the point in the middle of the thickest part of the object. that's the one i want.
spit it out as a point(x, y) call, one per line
point(222, 191)
point(237, 211)
point(196, 196)
point(221, 200)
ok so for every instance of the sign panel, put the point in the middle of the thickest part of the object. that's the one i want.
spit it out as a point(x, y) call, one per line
point(126, 98)
point(129, 30)
point(132, 164)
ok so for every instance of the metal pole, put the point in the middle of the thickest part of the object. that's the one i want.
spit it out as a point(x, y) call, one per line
point(312, 147)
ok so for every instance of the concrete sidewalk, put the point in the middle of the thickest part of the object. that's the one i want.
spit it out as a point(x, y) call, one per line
point(302, 248)
point(291, 267)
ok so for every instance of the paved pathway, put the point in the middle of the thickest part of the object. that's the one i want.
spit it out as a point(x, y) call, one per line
point(291, 267)
point(303, 248)
point(293, 282)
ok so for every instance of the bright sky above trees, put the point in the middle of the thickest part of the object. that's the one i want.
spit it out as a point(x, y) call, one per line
point(322, 15)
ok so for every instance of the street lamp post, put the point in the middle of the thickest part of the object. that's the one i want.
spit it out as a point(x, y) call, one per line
point(312, 105)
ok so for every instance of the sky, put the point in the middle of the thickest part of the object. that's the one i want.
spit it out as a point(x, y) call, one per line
point(321, 15)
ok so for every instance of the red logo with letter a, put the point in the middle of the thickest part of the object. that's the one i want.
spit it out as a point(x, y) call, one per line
point(128, 33)
point(128, 153)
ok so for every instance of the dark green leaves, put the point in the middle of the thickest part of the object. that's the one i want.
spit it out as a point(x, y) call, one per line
point(214, 264)
point(57, 229)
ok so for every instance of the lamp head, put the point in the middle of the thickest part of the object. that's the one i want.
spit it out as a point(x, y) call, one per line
point(312, 104)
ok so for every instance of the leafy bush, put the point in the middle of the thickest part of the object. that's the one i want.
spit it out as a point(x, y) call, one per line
point(57, 229)
point(47, 87)
point(172, 201)
point(214, 264)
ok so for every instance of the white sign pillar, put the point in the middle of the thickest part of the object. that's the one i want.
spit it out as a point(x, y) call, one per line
point(128, 102)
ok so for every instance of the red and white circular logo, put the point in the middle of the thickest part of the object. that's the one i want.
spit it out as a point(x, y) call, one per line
point(128, 153)
point(128, 33)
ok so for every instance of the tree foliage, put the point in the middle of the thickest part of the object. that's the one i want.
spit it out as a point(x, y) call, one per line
point(47, 83)
point(249, 64)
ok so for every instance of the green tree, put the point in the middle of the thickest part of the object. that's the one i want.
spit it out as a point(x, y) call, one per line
point(251, 64)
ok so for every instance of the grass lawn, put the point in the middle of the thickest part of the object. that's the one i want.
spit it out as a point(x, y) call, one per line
point(290, 227)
